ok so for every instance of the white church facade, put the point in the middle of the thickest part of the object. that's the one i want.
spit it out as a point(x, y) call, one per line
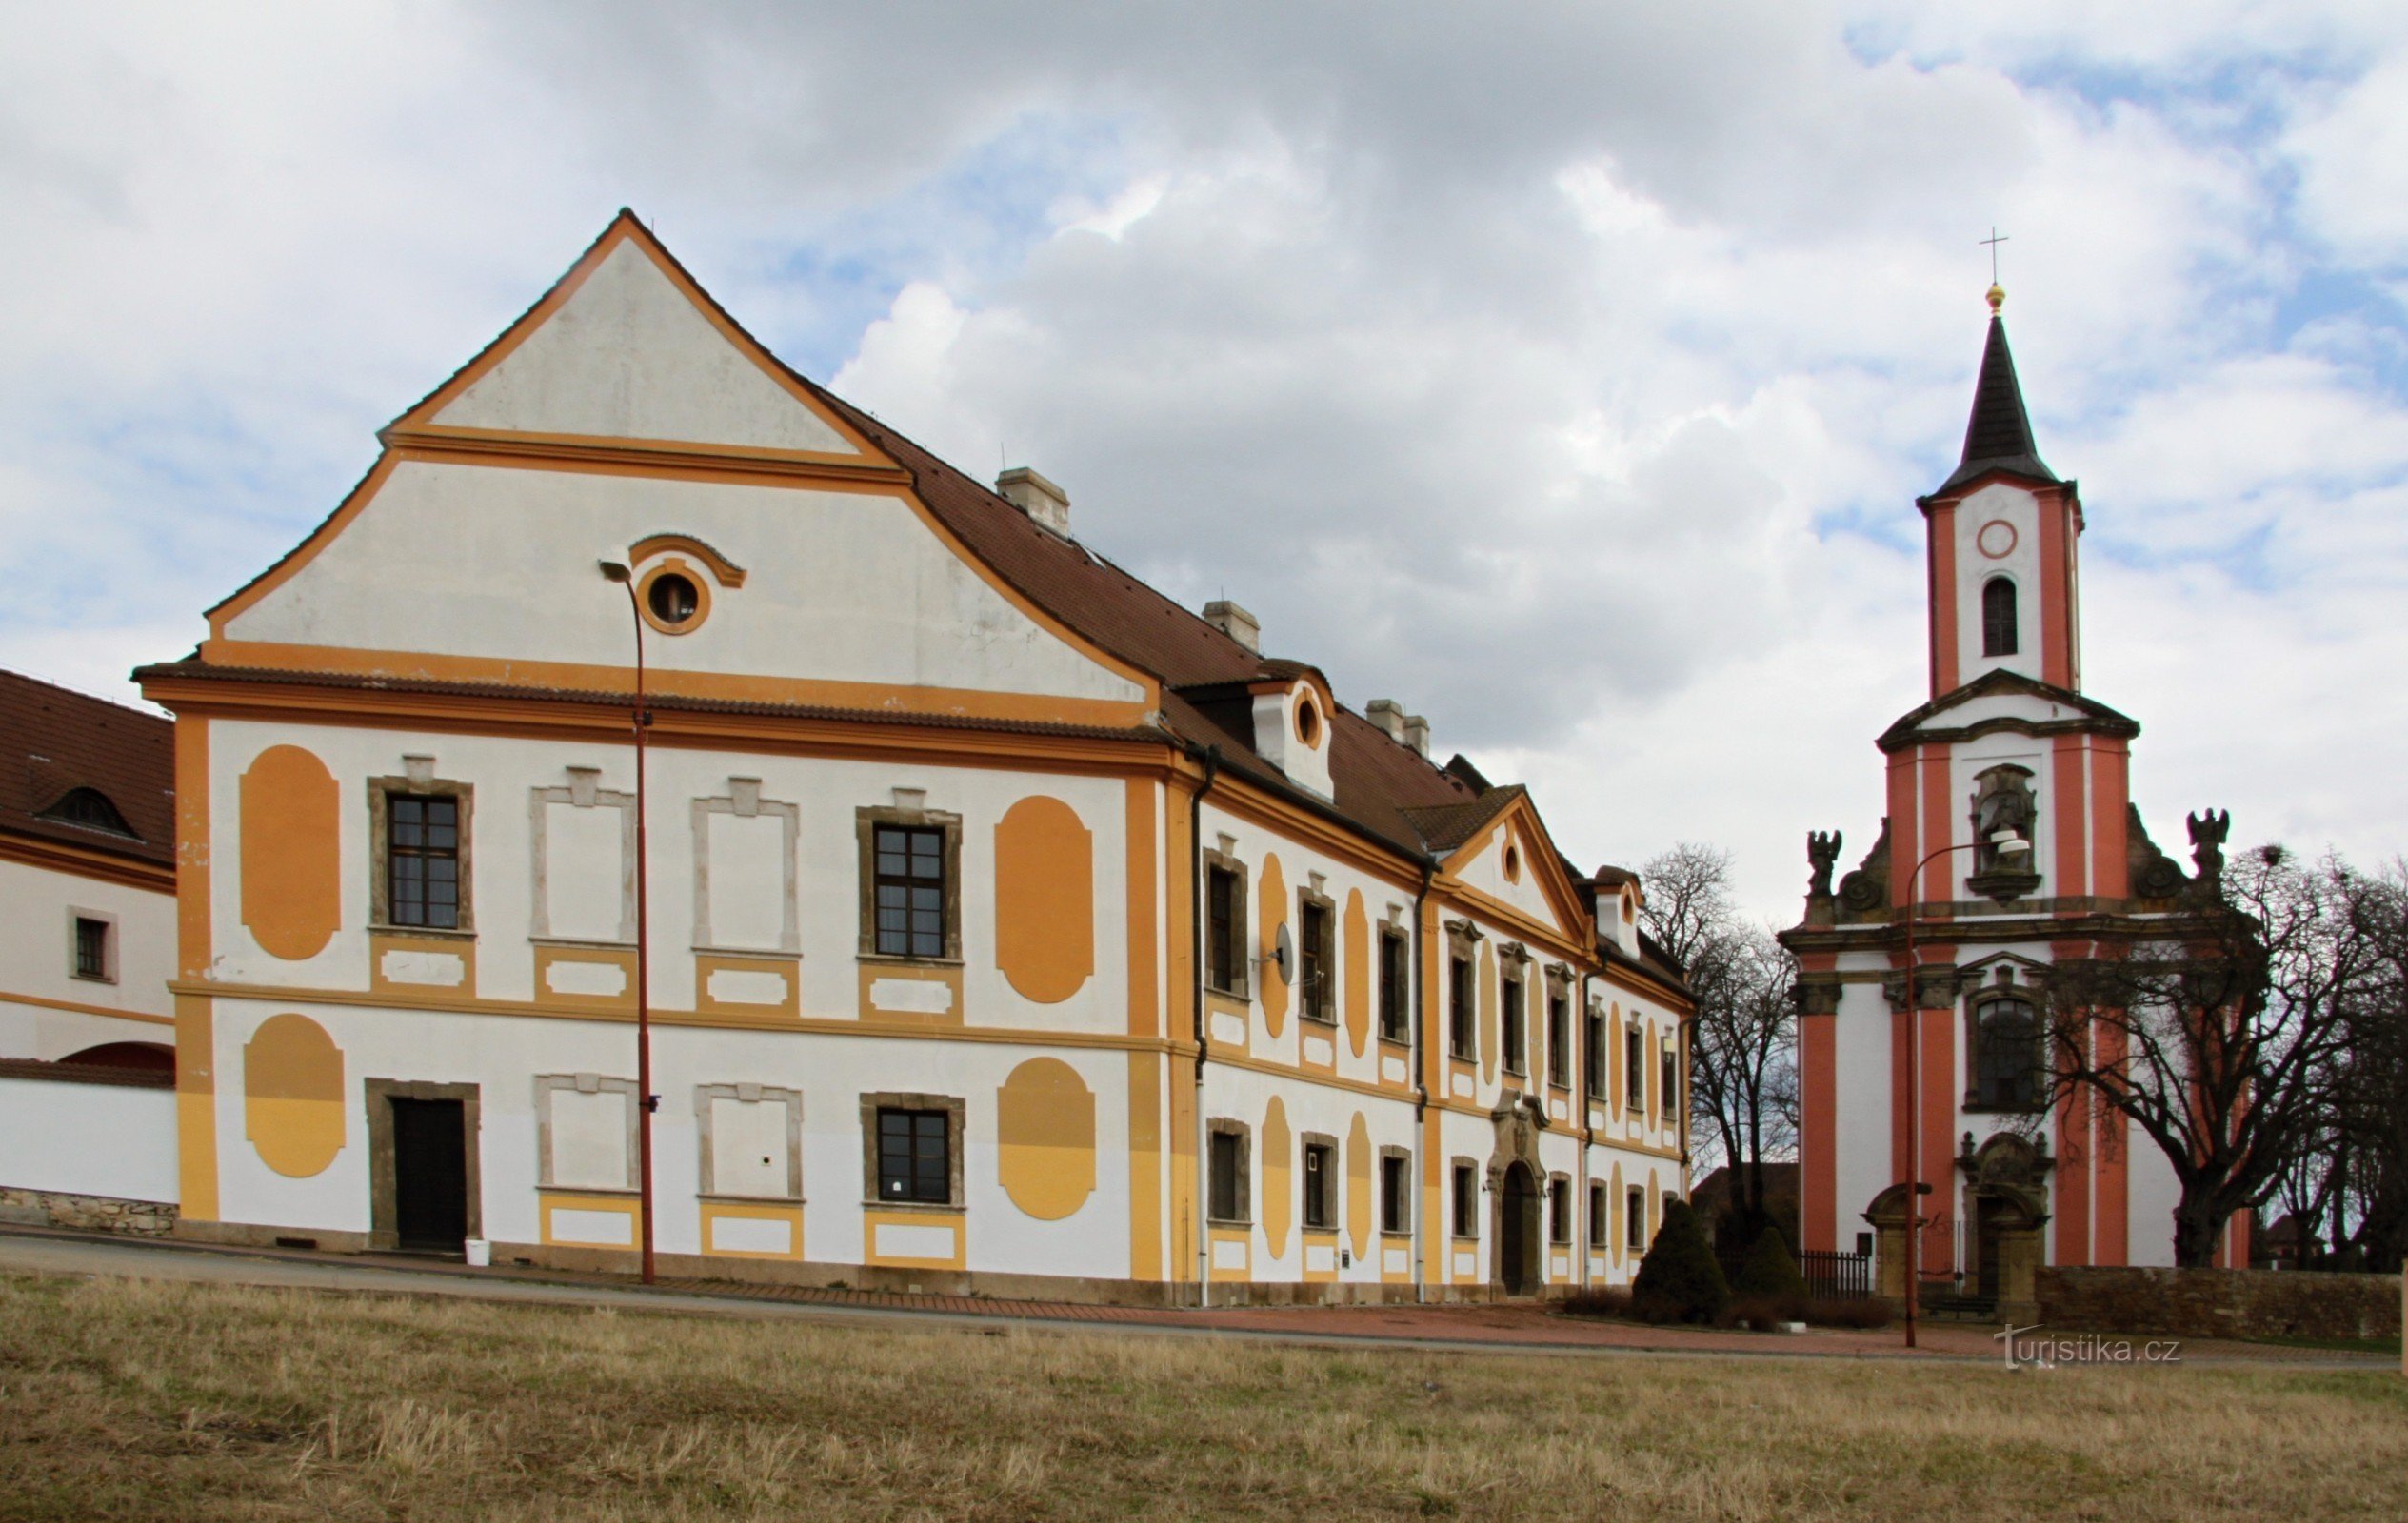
point(1001, 924)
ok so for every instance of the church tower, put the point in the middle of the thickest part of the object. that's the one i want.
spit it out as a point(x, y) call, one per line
point(2009, 845)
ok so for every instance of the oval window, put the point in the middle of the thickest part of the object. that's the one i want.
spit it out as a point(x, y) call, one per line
point(1513, 865)
point(674, 597)
point(1308, 723)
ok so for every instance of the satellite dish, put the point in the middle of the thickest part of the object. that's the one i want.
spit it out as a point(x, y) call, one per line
point(1283, 952)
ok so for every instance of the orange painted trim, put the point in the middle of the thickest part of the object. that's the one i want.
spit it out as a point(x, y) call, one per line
point(1818, 1144)
point(788, 971)
point(1577, 927)
point(2071, 809)
point(724, 572)
point(2110, 811)
point(1941, 536)
point(1938, 1054)
point(673, 566)
point(75, 1007)
point(1144, 1166)
point(713, 1212)
point(1238, 797)
point(1144, 937)
point(1456, 895)
point(194, 954)
point(661, 459)
point(512, 441)
point(196, 1108)
point(290, 565)
point(84, 862)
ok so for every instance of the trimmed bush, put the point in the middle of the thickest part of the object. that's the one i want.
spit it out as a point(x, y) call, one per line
point(1770, 1273)
point(1679, 1280)
point(1599, 1301)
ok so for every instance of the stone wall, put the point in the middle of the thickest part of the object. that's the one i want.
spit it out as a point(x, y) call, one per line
point(2221, 1304)
point(49, 1208)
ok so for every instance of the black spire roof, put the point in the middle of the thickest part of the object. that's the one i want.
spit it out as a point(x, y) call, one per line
point(1999, 437)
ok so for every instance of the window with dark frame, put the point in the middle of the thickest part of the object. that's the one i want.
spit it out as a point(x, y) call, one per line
point(422, 861)
point(1221, 930)
point(910, 885)
point(1392, 983)
point(1228, 1167)
point(1396, 1194)
point(91, 948)
point(1998, 634)
point(2006, 1064)
point(1316, 986)
point(915, 1156)
point(1668, 1093)
point(1596, 1053)
point(1559, 1211)
point(1635, 1220)
point(1511, 1028)
point(1320, 1187)
point(1559, 1039)
point(1459, 1008)
point(1467, 1201)
point(1599, 1214)
point(1634, 1070)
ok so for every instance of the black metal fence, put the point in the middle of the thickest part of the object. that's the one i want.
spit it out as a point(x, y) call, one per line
point(1830, 1276)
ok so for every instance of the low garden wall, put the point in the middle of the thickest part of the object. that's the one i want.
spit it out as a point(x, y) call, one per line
point(2221, 1304)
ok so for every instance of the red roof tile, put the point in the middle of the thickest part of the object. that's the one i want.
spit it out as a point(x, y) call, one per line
point(55, 741)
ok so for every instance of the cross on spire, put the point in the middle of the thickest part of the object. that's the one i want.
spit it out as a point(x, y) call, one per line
point(1995, 239)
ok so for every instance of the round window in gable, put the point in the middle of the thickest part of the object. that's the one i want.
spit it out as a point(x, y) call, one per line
point(1513, 865)
point(673, 599)
point(1308, 722)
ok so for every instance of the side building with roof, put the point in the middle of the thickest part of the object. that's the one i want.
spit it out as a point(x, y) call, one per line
point(1001, 925)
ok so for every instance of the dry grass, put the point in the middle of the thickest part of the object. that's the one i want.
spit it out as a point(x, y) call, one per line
point(129, 1399)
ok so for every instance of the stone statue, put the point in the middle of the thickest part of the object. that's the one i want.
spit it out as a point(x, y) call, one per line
point(2207, 842)
point(1822, 851)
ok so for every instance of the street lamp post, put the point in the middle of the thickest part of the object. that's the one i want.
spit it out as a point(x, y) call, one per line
point(2006, 845)
point(645, 1100)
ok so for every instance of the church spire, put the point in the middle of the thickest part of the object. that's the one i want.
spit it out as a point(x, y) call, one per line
point(1999, 436)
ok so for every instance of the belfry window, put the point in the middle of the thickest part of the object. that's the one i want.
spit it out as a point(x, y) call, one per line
point(1998, 617)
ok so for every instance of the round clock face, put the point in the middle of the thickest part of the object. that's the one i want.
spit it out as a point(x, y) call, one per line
point(1997, 539)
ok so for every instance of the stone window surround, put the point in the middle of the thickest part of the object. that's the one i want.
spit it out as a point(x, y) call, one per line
point(1513, 967)
point(1403, 1226)
point(1600, 1214)
point(1634, 1075)
point(1560, 1232)
point(1331, 1182)
point(2004, 991)
point(1597, 1073)
point(583, 792)
point(1245, 1133)
point(955, 1110)
point(384, 1219)
point(1392, 935)
point(547, 1085)
point(1326, 1014)
point(1241, 948)
point(1457, 1168)
point(1635, 1219)
point(909, 809)
point(108, 950)
point(749, 1094)
point(418, 776)
point(744, 801)
point(1463, 940)
point(1560, 986)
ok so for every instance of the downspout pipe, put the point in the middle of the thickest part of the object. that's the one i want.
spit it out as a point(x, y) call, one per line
point(1211, 757)
point(1422, 1003)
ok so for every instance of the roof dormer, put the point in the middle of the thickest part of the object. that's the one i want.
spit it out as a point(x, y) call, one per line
point(1293, 712)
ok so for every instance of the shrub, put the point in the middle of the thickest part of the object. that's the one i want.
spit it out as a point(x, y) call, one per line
point(1599, 1301)
point(1763, 1312)
point(1769, 1273)
point(1869, 1312)
point(1679, 1280)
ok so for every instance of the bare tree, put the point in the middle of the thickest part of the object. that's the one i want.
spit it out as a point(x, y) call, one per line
point(1687, 899)
point(2218, 1041)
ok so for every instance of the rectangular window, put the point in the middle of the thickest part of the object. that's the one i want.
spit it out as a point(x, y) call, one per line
point(1668, 1095)
point(1559, 1039)
point(91, 948)
point(1460, 1014)
point(910, 874)
point(1396, 1194)
point(1315, 980)
point(1596, 1053)
point(1597, 1215)
point(1634, 1221)
point(1559, 1211)
point(1634, 1070)
point(1467, 1201)
point(1220, 929)
point(915, 1156)
point(422, 861)
point(1510, 1025)
point(1321, 1186)
point(1228, 1171)
point(1392, 986)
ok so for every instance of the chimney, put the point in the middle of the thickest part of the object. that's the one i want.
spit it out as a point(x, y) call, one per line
point(1045, 503)
point(1389, 714)
point(1235, 623)
point(1417, 733)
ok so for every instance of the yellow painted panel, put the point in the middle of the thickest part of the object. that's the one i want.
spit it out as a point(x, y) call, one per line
point(1045, 898)
point(195, 1108)
point(919, 1225)
point(292, 1095)
point(1277, 1167)
point(1488, 1037)
point(1045, 1118)
point(1270, 913)
point(1358, 1188)
point(1357, 976)
point(291, 867)
point(1144, 1166)
point(714, 1211)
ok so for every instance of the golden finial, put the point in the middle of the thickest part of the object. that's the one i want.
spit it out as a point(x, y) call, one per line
point(1997, 298)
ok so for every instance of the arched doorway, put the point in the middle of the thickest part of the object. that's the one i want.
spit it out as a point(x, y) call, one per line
point(1517, 1231)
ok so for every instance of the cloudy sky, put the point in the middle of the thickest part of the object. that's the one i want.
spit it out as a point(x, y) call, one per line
point(1566, 373)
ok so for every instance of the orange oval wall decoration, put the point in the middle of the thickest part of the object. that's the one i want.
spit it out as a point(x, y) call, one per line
point(1044, 1117)
point(1278, 1146)
point(1489, 1018)
point(1045, 899)
point(291, 846)
point(1359, 1186)
point(292, 1095)
point(1357, 974)
point(1270, 909)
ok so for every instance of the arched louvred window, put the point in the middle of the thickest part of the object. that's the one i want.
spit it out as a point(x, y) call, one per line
point(2006, 1054)
point(1998, 617)
point(92, 809)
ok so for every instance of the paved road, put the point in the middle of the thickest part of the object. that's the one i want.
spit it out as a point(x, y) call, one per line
point(1506, 1329)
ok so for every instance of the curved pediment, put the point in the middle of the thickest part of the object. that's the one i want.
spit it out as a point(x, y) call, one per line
point(2003, 700)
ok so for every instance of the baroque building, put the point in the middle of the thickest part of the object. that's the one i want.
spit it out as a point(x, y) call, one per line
point(1001, 924)
point(2010, 847)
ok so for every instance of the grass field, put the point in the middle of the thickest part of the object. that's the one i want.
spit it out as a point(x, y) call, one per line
point(130, 1400)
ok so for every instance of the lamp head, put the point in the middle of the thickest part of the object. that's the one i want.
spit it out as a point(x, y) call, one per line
point(613, 572)
point(2007, 844)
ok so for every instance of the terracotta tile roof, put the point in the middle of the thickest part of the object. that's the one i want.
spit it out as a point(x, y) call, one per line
point(1448, 825)
point(54, 741)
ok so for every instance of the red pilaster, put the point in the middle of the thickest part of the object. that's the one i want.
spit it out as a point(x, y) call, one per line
point(1940, 563)
point(1819, 1145)
point(2071, 811)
